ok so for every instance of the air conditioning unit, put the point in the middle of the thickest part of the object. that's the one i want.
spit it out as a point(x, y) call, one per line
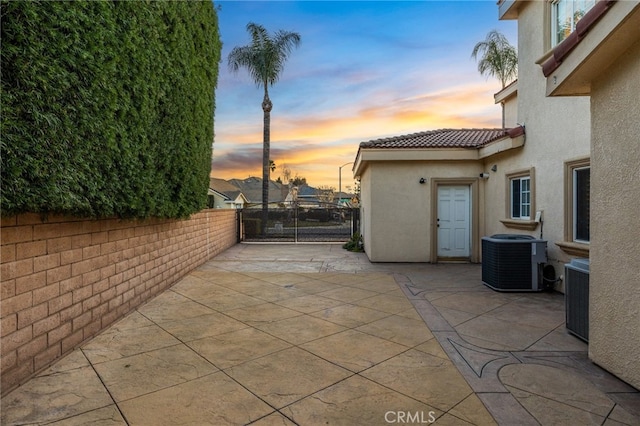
point(576, 297)
point(512, 262)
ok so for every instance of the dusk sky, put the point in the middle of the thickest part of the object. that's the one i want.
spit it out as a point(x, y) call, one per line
point(364, 70)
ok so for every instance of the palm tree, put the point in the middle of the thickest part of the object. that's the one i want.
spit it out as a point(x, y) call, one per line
point(264, 59)
point(498, 59)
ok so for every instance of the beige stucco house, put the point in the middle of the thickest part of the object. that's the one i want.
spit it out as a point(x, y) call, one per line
point(575, 106)
point(522, 177)
point(519, 183)
point(422, 195)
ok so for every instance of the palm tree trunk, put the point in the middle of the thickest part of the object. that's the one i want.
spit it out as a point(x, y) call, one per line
point(266, 146)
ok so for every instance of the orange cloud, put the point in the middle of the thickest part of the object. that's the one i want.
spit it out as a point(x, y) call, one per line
point(314, 146)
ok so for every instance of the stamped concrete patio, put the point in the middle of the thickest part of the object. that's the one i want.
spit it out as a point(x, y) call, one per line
point(313, 334)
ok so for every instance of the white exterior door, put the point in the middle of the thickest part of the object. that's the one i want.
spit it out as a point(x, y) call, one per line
point(453, 221)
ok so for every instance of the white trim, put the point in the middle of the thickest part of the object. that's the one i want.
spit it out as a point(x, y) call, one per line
point(521, 204)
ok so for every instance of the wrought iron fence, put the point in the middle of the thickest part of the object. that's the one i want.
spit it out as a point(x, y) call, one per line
point(326, 222)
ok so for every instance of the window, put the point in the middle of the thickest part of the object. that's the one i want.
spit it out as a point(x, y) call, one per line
point(521, 197)
point(581, 201)
point(577, 186)
point(565, 14)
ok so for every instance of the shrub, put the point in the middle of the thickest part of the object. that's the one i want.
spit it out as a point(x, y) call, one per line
point(107, 107)
point(354, 244)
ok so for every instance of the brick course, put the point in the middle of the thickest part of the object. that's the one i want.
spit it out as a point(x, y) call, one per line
point(66, 279)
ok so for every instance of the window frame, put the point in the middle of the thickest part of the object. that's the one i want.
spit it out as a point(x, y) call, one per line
point(571, 244)
point(570, 197)
point(520, 175)
point(553, 15)
point(521, 195)
point(523, 222)
point(574, 196)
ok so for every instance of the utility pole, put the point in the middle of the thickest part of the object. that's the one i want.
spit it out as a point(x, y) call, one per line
point(340, 180)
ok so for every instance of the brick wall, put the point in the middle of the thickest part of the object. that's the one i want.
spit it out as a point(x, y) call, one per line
point(63, 280)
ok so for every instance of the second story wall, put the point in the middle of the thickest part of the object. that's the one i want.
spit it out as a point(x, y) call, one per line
point(557, 132)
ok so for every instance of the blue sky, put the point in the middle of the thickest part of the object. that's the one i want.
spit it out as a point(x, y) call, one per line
point(364, 70)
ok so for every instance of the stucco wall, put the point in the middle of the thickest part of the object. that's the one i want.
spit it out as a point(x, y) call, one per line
point(365, 207)
point(511, 112)
point(66, 279)
point(614, 334)
point(399, 216)
point(557, 130)
point(397, 208)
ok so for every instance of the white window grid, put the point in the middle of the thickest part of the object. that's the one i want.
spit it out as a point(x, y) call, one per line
point(524, 196)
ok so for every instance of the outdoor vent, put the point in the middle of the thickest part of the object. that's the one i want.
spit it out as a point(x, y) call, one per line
point(512, 262)
point(576, 297)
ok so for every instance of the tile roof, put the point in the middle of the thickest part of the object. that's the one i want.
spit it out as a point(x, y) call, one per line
point(443, 138)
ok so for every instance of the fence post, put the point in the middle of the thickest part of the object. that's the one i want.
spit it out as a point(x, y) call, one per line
point(238, 225)
point(295, 223)
point(355, 220)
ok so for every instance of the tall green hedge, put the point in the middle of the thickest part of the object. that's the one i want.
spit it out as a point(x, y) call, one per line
point(107, 106)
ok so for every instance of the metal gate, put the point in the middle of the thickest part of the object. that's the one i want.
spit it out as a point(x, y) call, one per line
point(324, 223)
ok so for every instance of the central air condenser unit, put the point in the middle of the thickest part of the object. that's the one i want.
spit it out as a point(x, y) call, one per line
point(576, 296)
point(512, 262)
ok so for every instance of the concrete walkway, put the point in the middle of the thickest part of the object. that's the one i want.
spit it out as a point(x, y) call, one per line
point(313, 334)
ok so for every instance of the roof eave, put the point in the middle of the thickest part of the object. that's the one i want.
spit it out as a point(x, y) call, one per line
point(506, 93)
point(219, 194)
point(516, 140)
point(415, 154)
point(508, 9)
point(595, 51)
point(241, 199)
